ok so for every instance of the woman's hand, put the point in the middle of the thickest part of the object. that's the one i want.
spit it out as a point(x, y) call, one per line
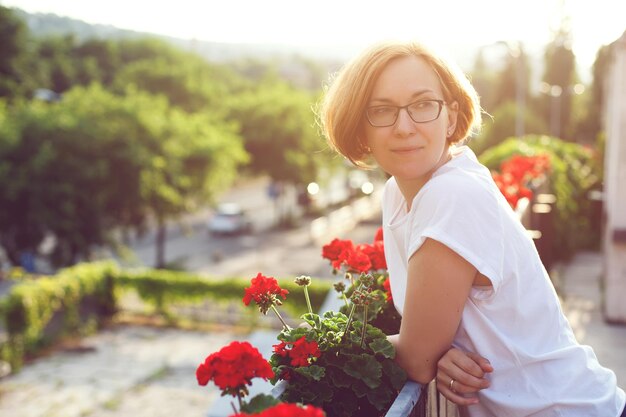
point(460, 375)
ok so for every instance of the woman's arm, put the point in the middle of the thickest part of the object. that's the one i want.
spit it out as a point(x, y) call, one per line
point(438, 284)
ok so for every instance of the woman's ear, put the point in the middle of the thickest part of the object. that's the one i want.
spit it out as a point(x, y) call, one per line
point(453, 112)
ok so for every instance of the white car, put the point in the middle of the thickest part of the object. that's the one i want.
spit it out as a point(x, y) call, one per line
point(229, 218)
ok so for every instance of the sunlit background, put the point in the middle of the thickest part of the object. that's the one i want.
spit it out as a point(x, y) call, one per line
point(344, 26)
point(179, 139)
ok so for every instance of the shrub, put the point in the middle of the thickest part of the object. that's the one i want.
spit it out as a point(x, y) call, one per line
point(575, 171)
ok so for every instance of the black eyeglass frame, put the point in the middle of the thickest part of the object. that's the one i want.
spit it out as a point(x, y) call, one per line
point(441, 103)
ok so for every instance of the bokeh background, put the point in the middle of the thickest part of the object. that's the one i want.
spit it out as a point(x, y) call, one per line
point(179, 139)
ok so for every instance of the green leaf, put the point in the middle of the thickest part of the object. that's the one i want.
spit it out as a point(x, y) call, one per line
point(313, 319)
point(258, 403)
point(375, 333)
point(339, 378)
point(365, 368)
point(301, 392)
point(336, 316)
point(360, 389)
point(311, 372)
point(383, 347)
point(397, 376)
point(346, 407)
point(293, 334)
point(380, 398)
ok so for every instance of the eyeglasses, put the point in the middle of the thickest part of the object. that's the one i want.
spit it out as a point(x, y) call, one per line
point(421, 111)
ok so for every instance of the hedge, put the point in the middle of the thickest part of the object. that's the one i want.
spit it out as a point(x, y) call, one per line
point(575, 171)
point(38, 311)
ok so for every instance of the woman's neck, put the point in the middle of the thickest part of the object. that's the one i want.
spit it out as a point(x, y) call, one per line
point(410, 188)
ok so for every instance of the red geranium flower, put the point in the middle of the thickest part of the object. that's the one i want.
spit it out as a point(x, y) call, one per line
point(358, 261)
point(336, 251)
point(515, 174)
point(287, 410)
point(379, 235)
point(281, 349)
point(300, 353)
point(264, 291)
point(376, 254)
point(233, 367)
point(387, 287)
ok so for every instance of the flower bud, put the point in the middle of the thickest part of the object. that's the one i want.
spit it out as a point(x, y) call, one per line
point(303, 280)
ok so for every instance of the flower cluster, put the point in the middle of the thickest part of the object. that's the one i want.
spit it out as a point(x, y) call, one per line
point(233, 367)
point(286, 410)
point(516, 173)
point(339, 362)
point(301, 353)
point(265, 292)
point(356, 258)
point(342, 255)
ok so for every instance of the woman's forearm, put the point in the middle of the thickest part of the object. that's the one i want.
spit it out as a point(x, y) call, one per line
point(417, 369)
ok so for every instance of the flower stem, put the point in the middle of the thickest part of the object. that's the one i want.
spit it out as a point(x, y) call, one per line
point(345, 299)
point(280, 318)
point(349, 322)
point(308, 300)
point(364, 325)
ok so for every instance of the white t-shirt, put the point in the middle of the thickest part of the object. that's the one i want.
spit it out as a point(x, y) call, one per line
point(517, 323)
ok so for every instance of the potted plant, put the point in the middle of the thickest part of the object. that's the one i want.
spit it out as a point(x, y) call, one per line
point(339, 361)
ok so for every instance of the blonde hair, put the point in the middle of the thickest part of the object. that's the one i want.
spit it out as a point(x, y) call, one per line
point(341, 113)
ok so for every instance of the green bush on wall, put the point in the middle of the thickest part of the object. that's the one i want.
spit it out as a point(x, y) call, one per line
point(575, 171)
point(29, 308)
point(32, 303)
point(161, 288)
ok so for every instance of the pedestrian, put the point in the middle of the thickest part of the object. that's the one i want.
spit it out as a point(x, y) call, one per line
point(479, 312)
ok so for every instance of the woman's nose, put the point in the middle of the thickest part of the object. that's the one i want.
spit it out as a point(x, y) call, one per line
point(404, 124)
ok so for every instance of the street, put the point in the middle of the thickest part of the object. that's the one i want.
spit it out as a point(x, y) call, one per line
point(280, 253)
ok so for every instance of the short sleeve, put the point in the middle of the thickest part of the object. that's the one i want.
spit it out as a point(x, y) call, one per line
point(461, 212)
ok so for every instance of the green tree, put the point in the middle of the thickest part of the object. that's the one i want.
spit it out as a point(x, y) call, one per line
point(55, 54)
point(590, 125)
point(96, 162)
point(148, 48)
point(502, 126)
point(200, 159)
point(100, 61)
point(514, 79)
point(13, 55)
point(278, 126)
point(558, 82)
point(483, 79)
point(502, 79)
point(184, 84)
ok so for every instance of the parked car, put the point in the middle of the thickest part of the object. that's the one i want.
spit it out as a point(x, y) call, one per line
point(229, 218)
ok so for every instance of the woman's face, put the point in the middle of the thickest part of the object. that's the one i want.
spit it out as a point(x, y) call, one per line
point(409, 151)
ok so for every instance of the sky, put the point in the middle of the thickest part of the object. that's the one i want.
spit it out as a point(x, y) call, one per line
point(443, 24)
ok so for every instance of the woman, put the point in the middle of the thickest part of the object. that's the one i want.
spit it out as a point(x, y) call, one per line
point(463, 271)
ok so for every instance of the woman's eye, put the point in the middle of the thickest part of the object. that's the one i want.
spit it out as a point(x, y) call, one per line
point(383, 110)
point(421, 105)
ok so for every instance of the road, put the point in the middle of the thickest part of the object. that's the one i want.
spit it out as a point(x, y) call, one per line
point(278, 253)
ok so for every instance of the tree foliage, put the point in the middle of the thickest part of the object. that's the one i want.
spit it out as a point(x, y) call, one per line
point(277, 123)
point(501, 125)
point(96, 161)
point(13, 54)
point(559, 79)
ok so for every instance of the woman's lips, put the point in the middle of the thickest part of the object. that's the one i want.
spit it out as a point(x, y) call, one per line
point(406, 150)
